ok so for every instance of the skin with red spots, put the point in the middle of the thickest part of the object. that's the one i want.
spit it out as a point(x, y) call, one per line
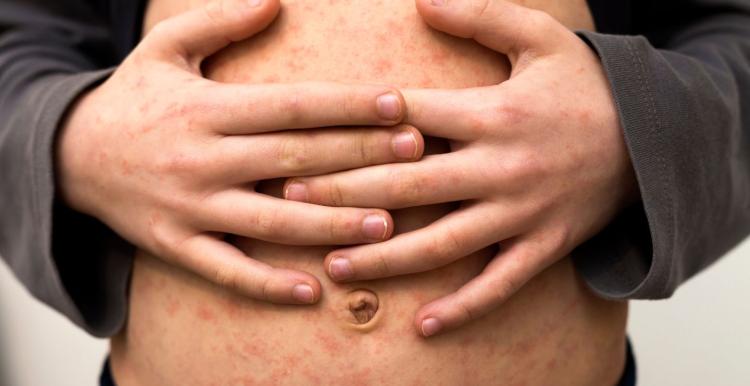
point(183, 330)
point(205, 314)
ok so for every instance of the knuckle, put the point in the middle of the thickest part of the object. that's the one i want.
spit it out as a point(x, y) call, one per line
point(480, 8)
point(178, 109)
point(216, 11)
point(524, 166)
point(466, 311)
point(161, 235)
point(180, 164)
point(349, 108)
point(174, 204)
point(558, 239)
point(295, 154)
point(291, 106)
point(503, 288)
point(335, 193)
point(454, 243)
point(263, 288)
point(405, 188)
point(380, 265)
point(434, 252)
point(163, 40)
point(363, 148)
point(530, 164)
point(510, 113)
point(337, 226)
point(266, 223)
point(506, 284)
point(161, 30)
point(226, 276)
point(540, 26)
point(479, 124)
point(539, 19)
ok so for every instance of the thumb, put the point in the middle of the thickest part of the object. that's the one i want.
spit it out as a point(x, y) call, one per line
point(497, 24)
point(201, 32)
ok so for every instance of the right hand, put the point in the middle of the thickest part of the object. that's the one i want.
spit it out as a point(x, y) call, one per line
point(169, 160)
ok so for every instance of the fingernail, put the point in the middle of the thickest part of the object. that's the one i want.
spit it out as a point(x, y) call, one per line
point(389, 106)
point(254, 3)
point(431, 326)
point(340, 269)
point(303, 293)
point(405, 145)
point(374, 227)
point(438, 3)
point(296, 191)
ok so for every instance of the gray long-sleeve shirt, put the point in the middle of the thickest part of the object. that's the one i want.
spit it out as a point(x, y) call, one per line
point(680, 75)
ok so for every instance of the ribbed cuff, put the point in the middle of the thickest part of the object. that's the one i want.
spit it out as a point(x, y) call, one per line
point(619, 262)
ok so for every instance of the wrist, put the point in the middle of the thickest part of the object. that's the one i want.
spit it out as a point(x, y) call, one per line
point(71, 161)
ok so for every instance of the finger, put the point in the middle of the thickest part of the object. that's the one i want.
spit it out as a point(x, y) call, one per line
point(500, 25)
point(234, 109)
point(434, 179)
point(203, 31)
point(461, 115)
point(271, 219)
point(513, 267)
point(226, 266)
point(298, 153)
point(450, 238)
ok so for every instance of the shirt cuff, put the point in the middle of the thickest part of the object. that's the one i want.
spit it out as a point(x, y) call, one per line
point(622, 261)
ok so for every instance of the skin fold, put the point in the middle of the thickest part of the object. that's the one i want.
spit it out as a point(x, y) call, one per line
point(184, 330)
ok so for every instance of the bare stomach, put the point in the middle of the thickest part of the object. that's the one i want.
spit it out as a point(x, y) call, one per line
point(183, 330)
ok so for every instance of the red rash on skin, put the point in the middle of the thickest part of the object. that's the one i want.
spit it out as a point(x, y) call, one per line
point(271, 79)
point(232, 311)
point(551, 364)
point(248, 381)
point(103, 157)
point(254, 349)
point(311, 53)
point(382, 39)
point(312, 379)
point(438, 57)
point(327, 341)
point(468, 340)
point(292, 360)
point(382, 66)
point(394, 27)
point(278, 375)
point(173, 307)
point(293, 65)
point(205, 314)
point(125, 167)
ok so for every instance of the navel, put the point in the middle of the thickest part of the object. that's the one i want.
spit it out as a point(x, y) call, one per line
point(361, 308)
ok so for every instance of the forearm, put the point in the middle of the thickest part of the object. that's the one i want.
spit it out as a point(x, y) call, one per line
point(683, 106)
point(50, 54)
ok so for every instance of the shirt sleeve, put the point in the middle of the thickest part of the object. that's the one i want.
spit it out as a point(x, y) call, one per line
point(50, 52)
point(682, 89)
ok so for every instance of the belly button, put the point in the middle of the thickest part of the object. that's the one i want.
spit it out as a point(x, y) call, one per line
point(361, 308)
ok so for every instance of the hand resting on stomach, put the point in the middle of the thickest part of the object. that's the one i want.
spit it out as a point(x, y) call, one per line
point(182, 330)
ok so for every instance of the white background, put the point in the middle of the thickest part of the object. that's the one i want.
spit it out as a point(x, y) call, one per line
point(701, 336)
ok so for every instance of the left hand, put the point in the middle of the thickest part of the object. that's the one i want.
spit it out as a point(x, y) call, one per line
point(539, 161)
